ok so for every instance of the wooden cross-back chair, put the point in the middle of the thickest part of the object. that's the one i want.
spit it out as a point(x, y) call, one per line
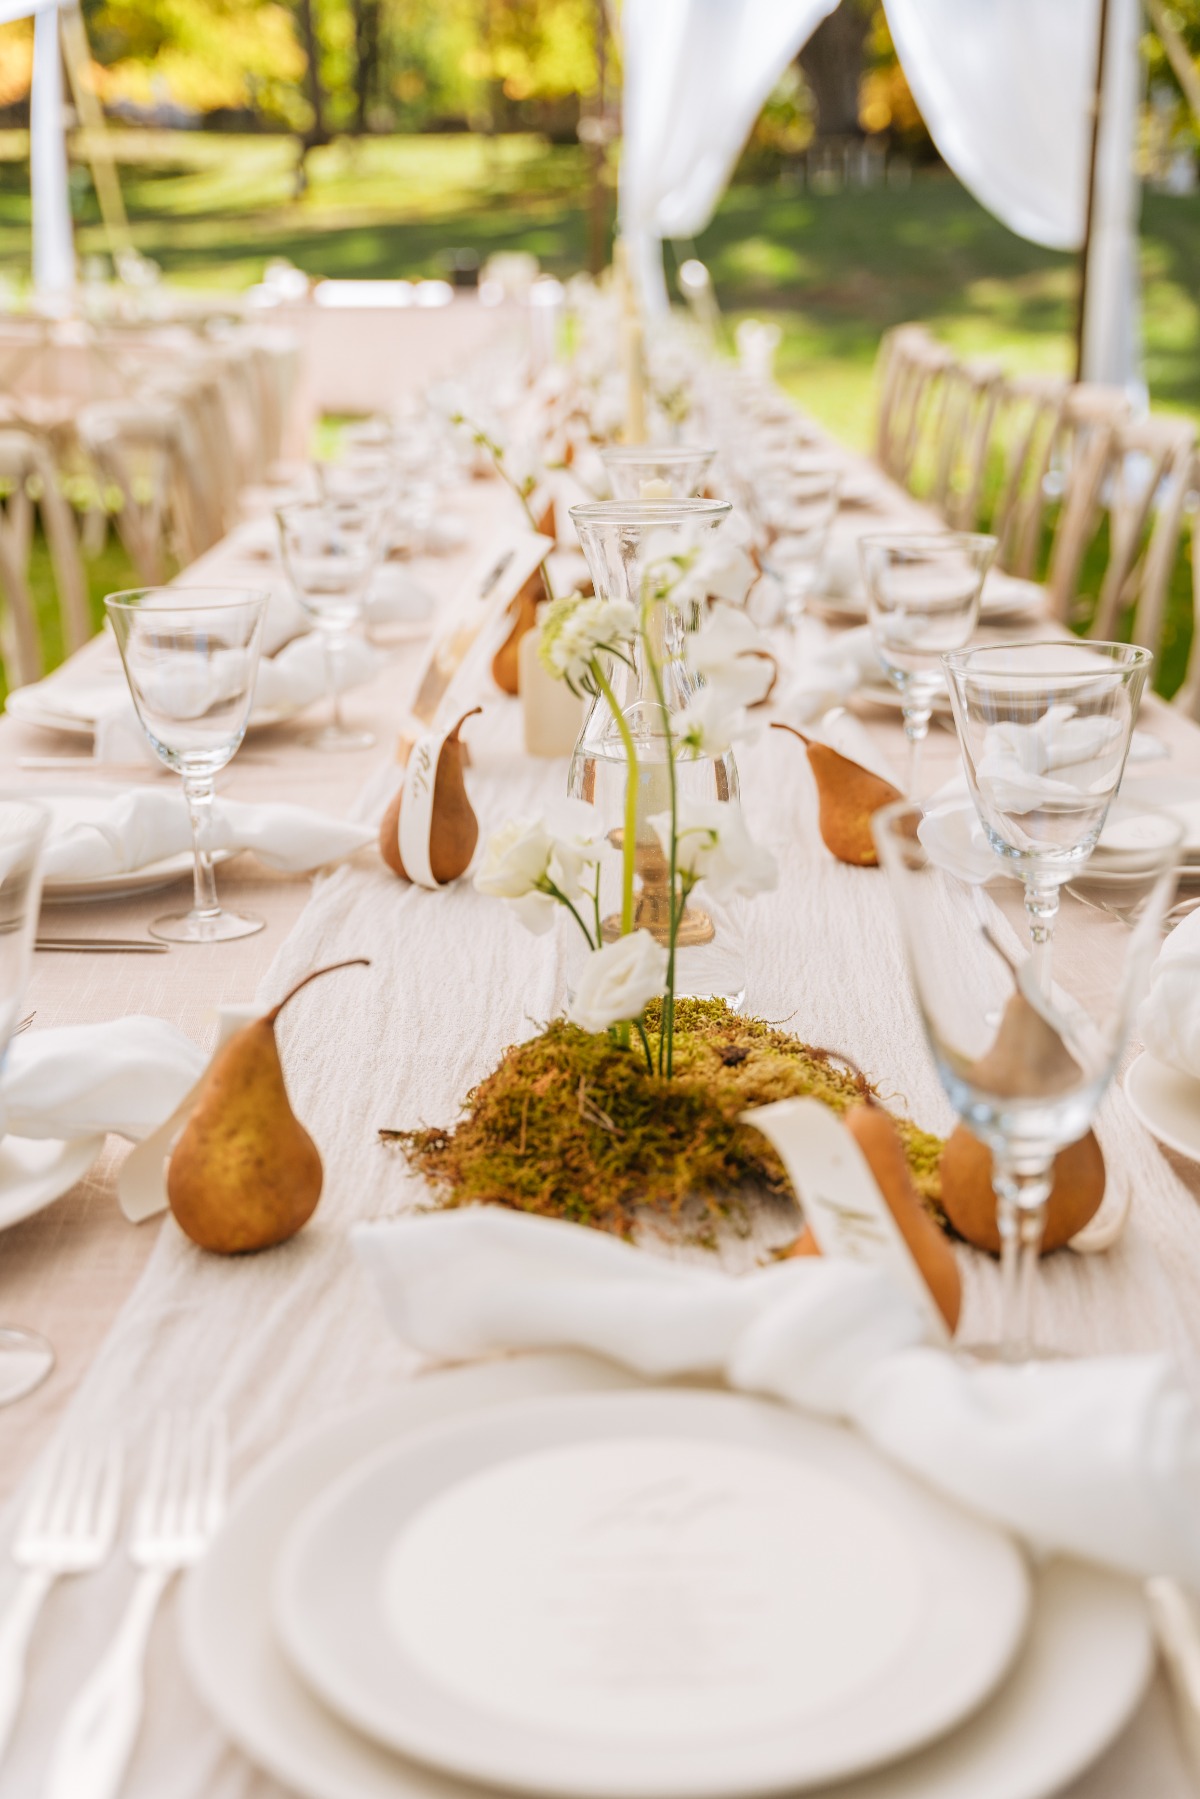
point(29, 485)
point(1188, 697)
point(1150, 478)
point(912, 373)
point(147, 451)
point(970, 395)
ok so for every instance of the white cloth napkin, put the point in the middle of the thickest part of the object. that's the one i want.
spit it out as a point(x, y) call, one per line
point(95, 835)
point(1061, 757)
point(297, 677)
point(1169, 1019)
point(87, 1079)
point(827, 680)
point(1097, 1458)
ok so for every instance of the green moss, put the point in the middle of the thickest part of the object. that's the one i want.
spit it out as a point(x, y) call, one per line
point(569, 1125)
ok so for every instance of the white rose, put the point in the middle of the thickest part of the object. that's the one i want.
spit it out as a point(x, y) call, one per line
point(618, 981)
point(731, 653)
point(714, 846)
point(525, 861)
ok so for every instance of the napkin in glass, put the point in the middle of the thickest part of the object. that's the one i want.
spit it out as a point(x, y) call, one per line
point(85, 1080)
point(94, 835)
point(1097, 1458)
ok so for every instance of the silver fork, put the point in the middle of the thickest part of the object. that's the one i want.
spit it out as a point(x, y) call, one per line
point(178, 1510)
point(68, 1527)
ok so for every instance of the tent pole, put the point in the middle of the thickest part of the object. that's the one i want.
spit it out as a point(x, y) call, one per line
point(91, 116)
point(1093, 159)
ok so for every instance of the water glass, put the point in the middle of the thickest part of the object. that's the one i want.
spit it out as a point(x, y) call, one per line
point(191, 659)
point(923, 592)
point(25, 1358)
point(330, 550)
point(1024, 1065)
point(1045, 729)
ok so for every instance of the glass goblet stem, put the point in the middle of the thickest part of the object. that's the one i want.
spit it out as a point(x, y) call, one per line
point(198, 790)
point(335, 643)
point(1021, 1196)
point(916, 729)
point(1041, 910)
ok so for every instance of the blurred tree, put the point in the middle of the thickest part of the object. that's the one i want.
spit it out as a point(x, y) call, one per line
point(833, 61)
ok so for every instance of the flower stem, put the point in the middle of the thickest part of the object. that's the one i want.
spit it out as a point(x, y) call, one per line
point(666, 1042)
point(641, 1030)
point(631, 808)
point(562, 899)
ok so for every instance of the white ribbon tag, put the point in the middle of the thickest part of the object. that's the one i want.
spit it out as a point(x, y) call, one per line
point(841, 1200)
point(142, 1180)
point(416, 807)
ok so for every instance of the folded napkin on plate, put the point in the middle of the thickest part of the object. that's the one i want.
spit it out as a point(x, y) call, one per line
point(1097, 1458)
point(94, 835)
point(297, 677)
point(826, 680)
point(87, 1079)
point(1169, 1020)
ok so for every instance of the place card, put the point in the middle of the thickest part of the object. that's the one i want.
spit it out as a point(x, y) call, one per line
point(840, 1197)
point(475, 628)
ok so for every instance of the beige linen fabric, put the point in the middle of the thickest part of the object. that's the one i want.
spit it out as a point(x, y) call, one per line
point(288, 1338)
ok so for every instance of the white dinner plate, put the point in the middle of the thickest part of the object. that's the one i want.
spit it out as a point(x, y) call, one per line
point(35, 1171)
point(650, 1595)
point(1075, 1685)
point(1177, 794)
point(882, 693)
point(1167, 1102)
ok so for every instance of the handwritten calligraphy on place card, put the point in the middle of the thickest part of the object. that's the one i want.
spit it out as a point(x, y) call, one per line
point(475, 623)
point(841, 1200)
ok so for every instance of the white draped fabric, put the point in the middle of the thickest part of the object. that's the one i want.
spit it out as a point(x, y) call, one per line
point(697, 73)
point(1006, 89)
point(1005, 86)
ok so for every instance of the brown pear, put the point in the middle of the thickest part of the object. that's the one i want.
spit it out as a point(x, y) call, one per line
point(523, 614)
point(1028, 1057)
point(969, 1200)
point(876, 1135)
point(245, 1174)
point(453, 829)
point(848, 796)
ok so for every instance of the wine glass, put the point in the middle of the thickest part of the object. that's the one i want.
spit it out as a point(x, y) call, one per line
point(923, 591)
point(191, 660)
point(330, 550)
point(25, 1358)
point(792, 512)
point(1045, 729)
point(1024, 1066)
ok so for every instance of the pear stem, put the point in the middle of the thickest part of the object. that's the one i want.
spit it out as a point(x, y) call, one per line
point(777, 724)
point(354, 962)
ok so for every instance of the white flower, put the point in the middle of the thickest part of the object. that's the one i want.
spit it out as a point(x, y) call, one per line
point(721, 571)
point(730, 652)
point(714, 846)
point(618, 981)
point(525, 862)
point(713, 723)
point(577, 630)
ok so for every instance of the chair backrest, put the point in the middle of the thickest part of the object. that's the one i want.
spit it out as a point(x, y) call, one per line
point(139, 448)
point(970, 402)
point(20, 640)
point(1188, 697)
point(912, 376)
point(1149, 478)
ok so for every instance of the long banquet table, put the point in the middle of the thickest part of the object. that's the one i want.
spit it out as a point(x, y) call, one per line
point(142, 1320)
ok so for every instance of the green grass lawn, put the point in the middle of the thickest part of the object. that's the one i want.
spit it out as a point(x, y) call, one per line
point(834, 269)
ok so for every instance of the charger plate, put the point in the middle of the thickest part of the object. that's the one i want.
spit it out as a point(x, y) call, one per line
point(1076, 1682)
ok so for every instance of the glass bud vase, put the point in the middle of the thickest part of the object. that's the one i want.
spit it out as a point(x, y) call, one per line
point(627, 545)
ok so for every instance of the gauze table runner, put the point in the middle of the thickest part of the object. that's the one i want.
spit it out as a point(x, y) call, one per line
point(285, 1339)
